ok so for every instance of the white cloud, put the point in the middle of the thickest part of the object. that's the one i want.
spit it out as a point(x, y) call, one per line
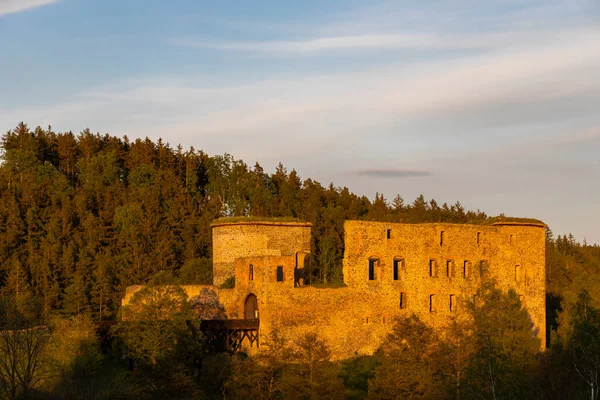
point(503, 129)
point(15, 6)
point(343, 103)
point(378, 42)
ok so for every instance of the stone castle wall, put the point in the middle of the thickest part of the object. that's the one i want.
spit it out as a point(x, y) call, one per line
point(354, 319)
point(513, 254)
point(233, 240)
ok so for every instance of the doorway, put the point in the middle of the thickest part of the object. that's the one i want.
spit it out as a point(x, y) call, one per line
point(251, 307)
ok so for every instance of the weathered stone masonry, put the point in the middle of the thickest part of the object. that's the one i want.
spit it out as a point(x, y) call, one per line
point(389, 270)
point(263, 238)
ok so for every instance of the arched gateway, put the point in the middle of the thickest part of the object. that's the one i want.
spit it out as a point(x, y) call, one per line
point(251, 307)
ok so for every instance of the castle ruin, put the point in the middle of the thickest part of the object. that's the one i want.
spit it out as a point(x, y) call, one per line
point(389, 270)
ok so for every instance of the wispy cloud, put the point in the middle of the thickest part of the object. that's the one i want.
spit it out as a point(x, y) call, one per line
point(393, 173)
point(493, 84)
point(15, 6)
point(374, 42)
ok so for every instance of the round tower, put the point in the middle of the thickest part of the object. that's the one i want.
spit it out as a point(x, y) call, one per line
point(237, 238)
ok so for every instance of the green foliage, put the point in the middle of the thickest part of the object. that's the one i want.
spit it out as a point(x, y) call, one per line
point(574, 369)
point(73, 346)
point(83, 216)
point(73, 353)
point(492, 353)
point(504, 349)
point(155, 323)
point(410, 363)
point(22, 368)
point(310, 373)
point(301, 369)
point(228, 283)
point(356, 373)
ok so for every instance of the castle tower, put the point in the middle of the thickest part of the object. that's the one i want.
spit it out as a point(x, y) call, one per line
point(245, 237)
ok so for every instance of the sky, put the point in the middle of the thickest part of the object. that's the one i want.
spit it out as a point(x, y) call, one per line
point(491, 103)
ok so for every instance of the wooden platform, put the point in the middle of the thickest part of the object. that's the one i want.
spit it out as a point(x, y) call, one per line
point(232, 331)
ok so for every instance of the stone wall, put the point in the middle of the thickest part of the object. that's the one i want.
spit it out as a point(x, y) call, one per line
point(514, 254)
point(354, 319)
point(233, 240)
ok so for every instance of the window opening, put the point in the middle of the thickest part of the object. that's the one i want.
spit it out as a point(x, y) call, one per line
point(402, 301)
point(450, 268)
point(251, 273)
point(433, 268)
point(452, 303)
point(467, 269)
point(478, 238)
point(389, 233)
point(280, 274)
point(518, 273)
point(398, 269)
point(432, 303)
point(441, 238)
point(373, 268)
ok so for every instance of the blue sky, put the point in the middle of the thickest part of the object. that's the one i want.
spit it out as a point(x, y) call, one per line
point(493, 103)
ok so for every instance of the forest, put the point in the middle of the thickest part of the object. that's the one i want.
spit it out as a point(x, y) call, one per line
point(83, 216)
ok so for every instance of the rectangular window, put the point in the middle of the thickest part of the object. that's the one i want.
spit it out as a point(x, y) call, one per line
point(280, 274)
point(467, 269)
point(389, 233)
point(398, 269)
point(478, 238)
point(402, 301)
point(452, 303)
point(373, 268)
point(441, 238)
point(450, 269)
point(510, 240)
point(432, 303)
point(433, 268)
point(518, 273)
